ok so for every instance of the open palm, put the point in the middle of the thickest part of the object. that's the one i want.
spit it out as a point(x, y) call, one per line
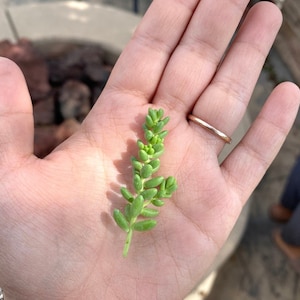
point(58, 238)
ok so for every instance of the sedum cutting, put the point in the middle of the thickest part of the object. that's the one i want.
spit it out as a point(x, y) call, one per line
point(149, 190)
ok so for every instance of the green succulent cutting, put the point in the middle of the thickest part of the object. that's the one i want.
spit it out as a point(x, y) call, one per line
point(149, 190)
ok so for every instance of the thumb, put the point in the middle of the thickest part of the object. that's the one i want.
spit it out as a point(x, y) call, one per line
point(16, 118)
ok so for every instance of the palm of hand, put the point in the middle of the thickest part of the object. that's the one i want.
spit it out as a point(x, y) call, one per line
point(62, 226)
point(57, 232)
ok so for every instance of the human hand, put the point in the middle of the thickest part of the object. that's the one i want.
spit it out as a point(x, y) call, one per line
point(58, 239)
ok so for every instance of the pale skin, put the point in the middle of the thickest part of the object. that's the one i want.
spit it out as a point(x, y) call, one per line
point(58, 239)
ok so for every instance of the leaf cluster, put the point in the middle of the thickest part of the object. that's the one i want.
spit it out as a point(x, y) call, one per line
point(149, 190)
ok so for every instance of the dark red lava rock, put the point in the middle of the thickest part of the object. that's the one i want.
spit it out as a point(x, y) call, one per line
point(64, 84)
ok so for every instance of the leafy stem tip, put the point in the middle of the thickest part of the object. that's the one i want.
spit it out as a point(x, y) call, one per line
point(149, 190)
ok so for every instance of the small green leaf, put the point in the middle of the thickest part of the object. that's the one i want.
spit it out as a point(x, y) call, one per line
point(144, 225)
point(155, 164)
point(170, 181)
point(161, 194)
point(149, 212)
point(158, 127)
point(151, 151)
point(121, 220)
point(158, 154)
point(146, 171)
point(171, 189)
point(126, 194)
point(166, 120)
point(136, 206)
point(158, 147)
point(148, 135)
point(140, 144)
point(153, 114)
point(153, 141)
point(137, 183)
point(162, 186)
point(149, 194)
point(158, 202)
point(149, 122)
point(171, 185)
point(143, 155)
point(160, 113)
point(167, 195)
point(137, 165)
point(154, 182)
point(163, 134)
point(127, 212)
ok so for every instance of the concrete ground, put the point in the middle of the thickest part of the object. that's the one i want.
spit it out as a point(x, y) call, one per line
point(257, 269)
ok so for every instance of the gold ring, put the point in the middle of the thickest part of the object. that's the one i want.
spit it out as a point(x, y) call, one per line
point(212, 129)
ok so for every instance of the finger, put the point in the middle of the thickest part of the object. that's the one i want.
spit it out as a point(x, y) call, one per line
point(247, 164)
point(16, 119)
point(142, 62)
point(198, 54)
point(224, 102)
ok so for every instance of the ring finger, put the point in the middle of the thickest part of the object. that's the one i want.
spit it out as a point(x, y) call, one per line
point(224, 101)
